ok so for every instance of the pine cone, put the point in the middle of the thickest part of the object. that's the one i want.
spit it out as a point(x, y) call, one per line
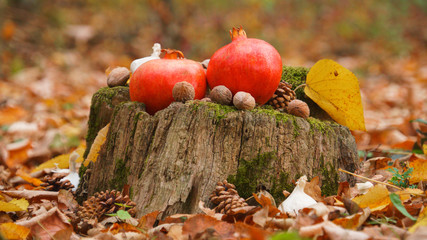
point(282, 97)
point(226, 198)
point(105, 203)
point(52, 182)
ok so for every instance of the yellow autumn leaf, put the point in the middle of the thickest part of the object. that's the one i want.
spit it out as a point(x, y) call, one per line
point(420, 169)
point(421, 221)
point(425, 149)
point(336, 90)
point(96, 145)
point(377, 198)
point(62, 161)
point(14, 205)
point(11, 230)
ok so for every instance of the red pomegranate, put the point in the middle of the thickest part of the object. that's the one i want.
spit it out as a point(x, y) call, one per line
point(246, 64)
point(153, 81)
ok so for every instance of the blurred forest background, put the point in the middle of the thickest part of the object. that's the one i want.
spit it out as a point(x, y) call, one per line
point(54, 53)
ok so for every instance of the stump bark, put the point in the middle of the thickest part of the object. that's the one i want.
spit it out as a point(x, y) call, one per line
point(173, 159)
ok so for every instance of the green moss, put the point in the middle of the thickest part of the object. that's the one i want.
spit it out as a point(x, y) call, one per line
point(280, 117)
point(257, 171)
point(104, 95)
point(120, 175)
point(219, 111)
point(325, 127)
point(295, 76)
point(296, 128)
point(330, 178)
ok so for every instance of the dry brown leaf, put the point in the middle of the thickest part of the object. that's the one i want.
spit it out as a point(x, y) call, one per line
point(147, 221)
point(48, 224)
point(66, 201)
point(175, 232)
point(197, 224)
point(312, 189)
point(33, 195)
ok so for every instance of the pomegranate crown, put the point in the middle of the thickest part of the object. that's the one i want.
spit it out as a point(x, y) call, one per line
point(237, 33)
point(172, 54)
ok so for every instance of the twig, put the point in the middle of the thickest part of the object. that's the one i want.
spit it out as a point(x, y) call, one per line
point(372, 180)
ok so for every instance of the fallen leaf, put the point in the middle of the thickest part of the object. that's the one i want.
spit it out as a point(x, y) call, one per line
point(198, 224)
point(14, 205)
point(66, 201)
point(35, 181)
point(18, 152)
point(354, 221)
point(421, 221)
point(100, 138)
point(147, 221)
point(121, 227)
point(46, 225)
point(337, 233)
point(336, 90)
point(312, 189)
point(32, 195)
point(377, 198)
point(13, 231)
point(175, 232)
point(11, 114)
point(62, 161)
point(420, 169)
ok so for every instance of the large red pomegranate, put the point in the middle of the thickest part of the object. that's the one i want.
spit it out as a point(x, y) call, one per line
point(153, 81)
point(246, 64)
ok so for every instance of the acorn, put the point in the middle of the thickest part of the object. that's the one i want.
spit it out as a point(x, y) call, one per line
point(183, 91)
point(118, 77)
point(299, 108)
point(221, 94)
point(244, 101)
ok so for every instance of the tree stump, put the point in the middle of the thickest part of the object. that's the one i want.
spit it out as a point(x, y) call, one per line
point(173, 159)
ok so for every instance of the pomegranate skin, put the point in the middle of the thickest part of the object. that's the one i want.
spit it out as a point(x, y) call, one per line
point(152, 82)
point(246, 64)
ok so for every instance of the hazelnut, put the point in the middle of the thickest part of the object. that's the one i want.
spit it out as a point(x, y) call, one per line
point(243, 101)
point(206, 99)
point(221, 94)
point(183, 91)
point(299, 108)
point(118, 77)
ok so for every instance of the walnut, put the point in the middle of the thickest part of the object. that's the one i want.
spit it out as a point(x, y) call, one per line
point(118, 77)
point(183, 91)
point(243, 101)
point(299, 108)
point(221, 94)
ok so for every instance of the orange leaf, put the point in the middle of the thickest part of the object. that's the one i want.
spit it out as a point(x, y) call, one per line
point(312, 189)
point(35, 181)
point(420, 169)
point(121, 227)
point(13, 231)
point(354, 221)
point(377, 198)
point(9, 115)
point(147, 221)
point(18, 153)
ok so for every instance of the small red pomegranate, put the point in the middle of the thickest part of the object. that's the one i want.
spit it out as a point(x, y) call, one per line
point(246, 64)
point(153, 81)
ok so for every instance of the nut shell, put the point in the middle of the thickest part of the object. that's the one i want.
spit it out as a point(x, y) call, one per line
point(244, 101)
point(221, 94)
point(183, 91)
point(299, 108)
point(118, 77)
